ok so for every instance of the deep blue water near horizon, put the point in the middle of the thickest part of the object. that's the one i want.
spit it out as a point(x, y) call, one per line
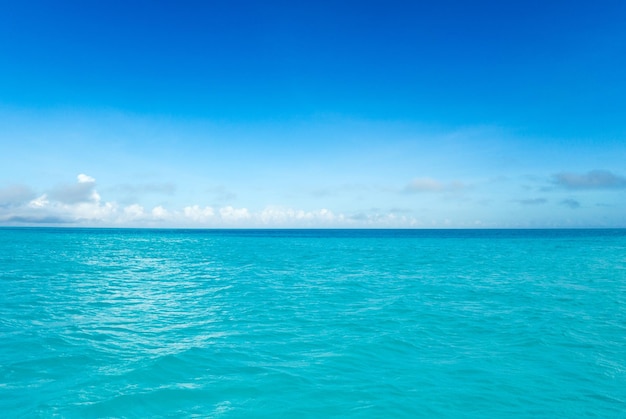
point(312, 323)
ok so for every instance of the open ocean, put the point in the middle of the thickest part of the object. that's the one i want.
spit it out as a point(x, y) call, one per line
point(312, 323)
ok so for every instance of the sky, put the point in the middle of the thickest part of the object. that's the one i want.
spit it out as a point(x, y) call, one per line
point(313, 114)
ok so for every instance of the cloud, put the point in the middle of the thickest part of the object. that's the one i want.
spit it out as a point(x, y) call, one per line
point(344, 189)
point(419, 185)
point(384, 219)
point(195, 213)
point(572, 203)
point(134, 212)
point(595, 179)
point(76, 203)
point(90, 210)
point(160, 213)
point(360, 216)
point(82, 178)
point(321, 193)
point(146, 188)
point(83, 191)
point(49, 219)
point(533, 201)
point(230, 214)
point(273, 215)
point(40, 202)
point(15, 195)
point(80, 204)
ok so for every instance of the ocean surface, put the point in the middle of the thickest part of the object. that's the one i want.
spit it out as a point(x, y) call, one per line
point(312, 323)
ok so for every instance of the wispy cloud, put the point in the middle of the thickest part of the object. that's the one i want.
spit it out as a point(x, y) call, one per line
point(347, 189)
point(595, 179)
point(571, 203)
point(146, 188)
point(420, 185)
point(532, 201)
point(221, 194)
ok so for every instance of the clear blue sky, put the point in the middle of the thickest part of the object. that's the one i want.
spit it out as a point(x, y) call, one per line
point(313, 114)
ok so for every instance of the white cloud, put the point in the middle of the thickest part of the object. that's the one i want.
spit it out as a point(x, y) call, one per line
point(90, 211)
point(287, 216)
point(51, 210)
point(76, 203)
point(82, 178)
point(134, 212)
point(160, 213)
point(80, 204)
point(230, 214)
point(40, 202)
point(385, 220)
point(195, 213)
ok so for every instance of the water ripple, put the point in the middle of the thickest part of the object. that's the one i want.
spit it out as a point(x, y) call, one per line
point(167, 323)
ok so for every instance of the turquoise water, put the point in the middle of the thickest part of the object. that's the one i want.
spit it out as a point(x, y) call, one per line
point(293, 323)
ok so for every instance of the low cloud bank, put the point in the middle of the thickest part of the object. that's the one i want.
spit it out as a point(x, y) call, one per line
point(81, 204)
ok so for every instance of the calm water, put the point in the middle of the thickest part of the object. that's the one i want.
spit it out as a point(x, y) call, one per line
point(165, 323)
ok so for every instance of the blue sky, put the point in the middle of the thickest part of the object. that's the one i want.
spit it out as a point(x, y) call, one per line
point(313, 114)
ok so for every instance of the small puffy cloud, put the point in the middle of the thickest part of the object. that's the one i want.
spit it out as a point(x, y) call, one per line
point(134, 212)
point(160, 213)
point(288, 216)
point(82, 178)
point(532, 201)
point(572, 203)
point(595, 179)
point(230, 214)
point(198, 214)
point(419, 185)
point(383, 219)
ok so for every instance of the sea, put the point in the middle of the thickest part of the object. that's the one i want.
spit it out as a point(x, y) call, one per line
point(130, 323)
